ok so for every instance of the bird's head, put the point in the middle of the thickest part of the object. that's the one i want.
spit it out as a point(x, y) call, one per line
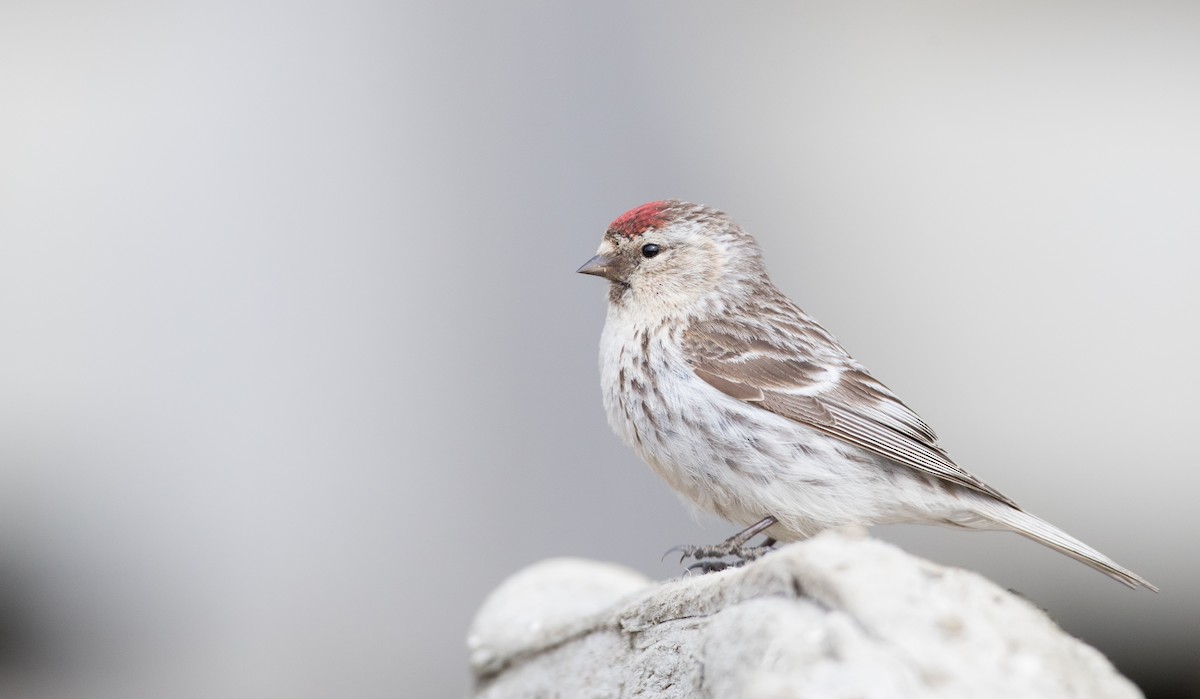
point(674, 255)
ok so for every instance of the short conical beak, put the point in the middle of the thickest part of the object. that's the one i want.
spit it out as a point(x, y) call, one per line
point(602, 266)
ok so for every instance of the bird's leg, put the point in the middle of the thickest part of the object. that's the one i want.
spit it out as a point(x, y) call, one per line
point(734, 546)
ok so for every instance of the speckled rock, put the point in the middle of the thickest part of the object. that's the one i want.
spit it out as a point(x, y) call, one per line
point(835, 616)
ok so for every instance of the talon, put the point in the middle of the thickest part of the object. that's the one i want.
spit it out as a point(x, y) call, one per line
point(686, 552)
point(671, 550)
point(708, 566)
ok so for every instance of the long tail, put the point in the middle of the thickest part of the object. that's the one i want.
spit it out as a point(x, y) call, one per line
point(1047, 534)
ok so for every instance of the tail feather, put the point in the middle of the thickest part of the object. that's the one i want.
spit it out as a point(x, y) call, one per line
point(1047, 534)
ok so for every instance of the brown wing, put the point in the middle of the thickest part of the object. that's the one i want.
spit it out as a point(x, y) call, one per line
point(785, 363)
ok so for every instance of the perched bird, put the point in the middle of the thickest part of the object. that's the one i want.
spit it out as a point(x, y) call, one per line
point(750, 409)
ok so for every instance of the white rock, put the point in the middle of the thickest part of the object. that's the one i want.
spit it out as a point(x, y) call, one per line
point(543, 605)
point(835, 616)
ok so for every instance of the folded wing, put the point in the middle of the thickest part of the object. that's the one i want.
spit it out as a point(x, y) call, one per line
point(783, 362)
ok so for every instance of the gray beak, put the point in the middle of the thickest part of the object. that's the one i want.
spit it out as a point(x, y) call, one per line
point(603, 266)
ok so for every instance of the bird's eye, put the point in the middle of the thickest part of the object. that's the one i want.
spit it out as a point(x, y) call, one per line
point(650, 250)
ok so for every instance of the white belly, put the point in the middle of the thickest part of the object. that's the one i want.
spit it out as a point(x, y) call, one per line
point(735, 459)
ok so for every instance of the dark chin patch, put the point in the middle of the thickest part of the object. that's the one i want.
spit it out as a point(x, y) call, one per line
point(617, 291)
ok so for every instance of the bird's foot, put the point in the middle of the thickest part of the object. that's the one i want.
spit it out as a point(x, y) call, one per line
point(710, 559)
point(710, 566)
point(741, 552)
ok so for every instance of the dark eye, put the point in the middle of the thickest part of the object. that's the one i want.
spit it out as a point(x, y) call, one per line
point(650, 250)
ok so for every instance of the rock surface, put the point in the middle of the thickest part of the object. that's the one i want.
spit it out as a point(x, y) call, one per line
point(835, 616)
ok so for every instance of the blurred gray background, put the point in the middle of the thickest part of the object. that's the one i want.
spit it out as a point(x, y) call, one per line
point(295, 368)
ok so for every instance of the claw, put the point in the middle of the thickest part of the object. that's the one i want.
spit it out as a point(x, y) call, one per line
point(683, 549)
point(710, 566)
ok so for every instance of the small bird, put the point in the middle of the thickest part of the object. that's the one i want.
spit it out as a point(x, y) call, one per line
point(750, 409)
